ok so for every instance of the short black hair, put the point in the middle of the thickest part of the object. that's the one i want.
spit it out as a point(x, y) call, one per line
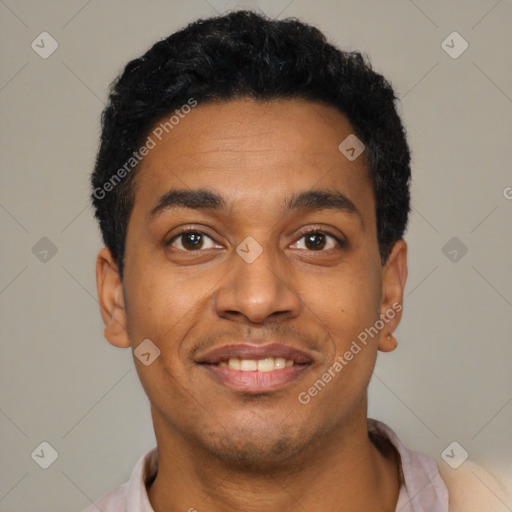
point(244, 54)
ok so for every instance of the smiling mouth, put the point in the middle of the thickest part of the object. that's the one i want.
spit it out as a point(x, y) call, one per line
point(255, 367)
point(256, 376)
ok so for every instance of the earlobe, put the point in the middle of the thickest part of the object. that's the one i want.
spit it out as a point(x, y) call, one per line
point(111, 300)
point(387, 342)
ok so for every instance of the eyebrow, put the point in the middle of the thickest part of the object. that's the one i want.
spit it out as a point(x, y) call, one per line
point(205, 199)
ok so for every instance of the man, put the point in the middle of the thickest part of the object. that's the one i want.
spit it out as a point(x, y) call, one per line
point(252, 188)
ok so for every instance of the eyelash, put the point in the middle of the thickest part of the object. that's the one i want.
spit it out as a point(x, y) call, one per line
point(341, 243)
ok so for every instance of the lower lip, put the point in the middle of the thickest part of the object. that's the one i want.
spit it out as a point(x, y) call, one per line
point(255, 381)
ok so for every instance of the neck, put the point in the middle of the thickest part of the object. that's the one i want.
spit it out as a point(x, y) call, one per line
point(345, 473)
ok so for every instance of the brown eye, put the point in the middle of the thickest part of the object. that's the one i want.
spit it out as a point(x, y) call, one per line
point(190, 241)
point(315, 241)
point(319, 241)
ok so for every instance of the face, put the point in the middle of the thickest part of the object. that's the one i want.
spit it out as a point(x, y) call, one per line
point(252, 244)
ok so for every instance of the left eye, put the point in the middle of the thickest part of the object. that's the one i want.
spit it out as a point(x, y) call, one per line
point(317, 240)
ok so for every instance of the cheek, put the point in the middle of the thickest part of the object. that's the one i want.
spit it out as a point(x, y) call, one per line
point(165, 303)
point(347, 301)
point(356, 312)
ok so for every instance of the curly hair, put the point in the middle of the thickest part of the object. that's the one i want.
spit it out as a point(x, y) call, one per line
point(244, 54)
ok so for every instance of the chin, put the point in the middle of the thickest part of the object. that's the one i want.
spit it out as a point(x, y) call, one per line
point(254, 450)
point(255, 456)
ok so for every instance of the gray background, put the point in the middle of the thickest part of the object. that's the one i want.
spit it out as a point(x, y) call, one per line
point(61, 382)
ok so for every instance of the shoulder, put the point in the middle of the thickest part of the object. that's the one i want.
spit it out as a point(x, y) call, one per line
point(469, 488)
point(474, 488)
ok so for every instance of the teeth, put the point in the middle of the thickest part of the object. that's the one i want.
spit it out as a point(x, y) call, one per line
point(266, 365)
point(248, 365)
point(280, 362)
point(262, 365)
point(234, 363)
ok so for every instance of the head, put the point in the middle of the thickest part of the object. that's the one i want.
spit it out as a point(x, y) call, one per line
point(231, 129)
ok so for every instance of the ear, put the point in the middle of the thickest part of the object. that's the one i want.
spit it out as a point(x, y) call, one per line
point(111, 299)
point(394, 276)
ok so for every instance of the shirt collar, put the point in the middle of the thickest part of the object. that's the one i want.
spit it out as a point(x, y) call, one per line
point(422, 489)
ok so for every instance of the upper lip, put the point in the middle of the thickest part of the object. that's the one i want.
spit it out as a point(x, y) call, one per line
point(251, 351)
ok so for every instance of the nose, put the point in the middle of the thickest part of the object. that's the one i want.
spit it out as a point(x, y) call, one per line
point(255, 291)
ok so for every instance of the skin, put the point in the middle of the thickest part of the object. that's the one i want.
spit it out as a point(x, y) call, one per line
point(220, 449)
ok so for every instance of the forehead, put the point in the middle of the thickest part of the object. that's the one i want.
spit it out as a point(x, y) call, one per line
point(252, 152)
